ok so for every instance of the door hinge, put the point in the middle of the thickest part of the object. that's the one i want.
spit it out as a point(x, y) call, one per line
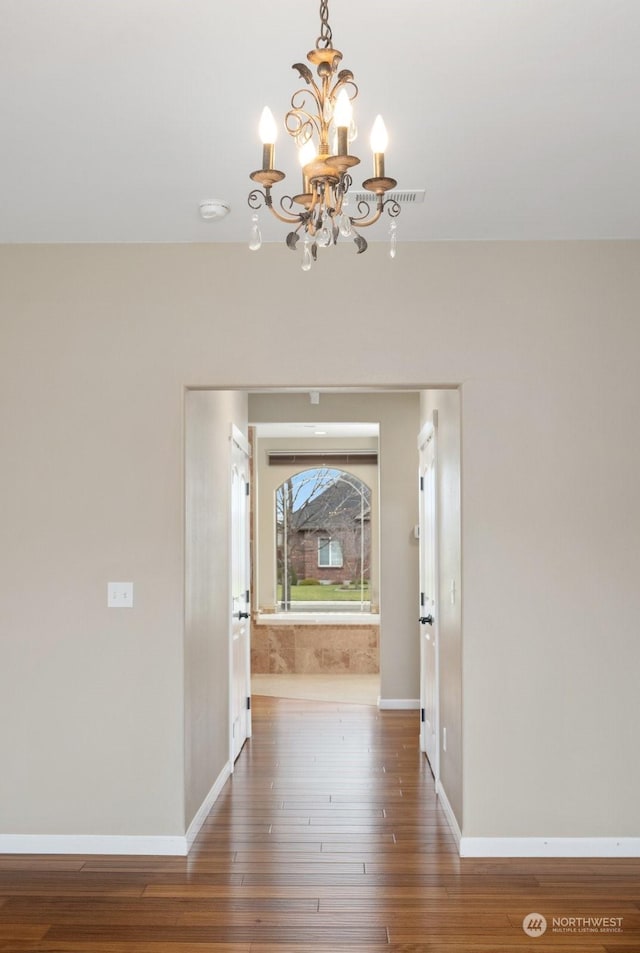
point(247, 488)
point(421, 599)
point(422, 483)
point(422, 718)
point(246, 595)
point(248, 702)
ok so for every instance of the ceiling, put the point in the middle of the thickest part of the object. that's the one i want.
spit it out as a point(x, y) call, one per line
point(118, 117)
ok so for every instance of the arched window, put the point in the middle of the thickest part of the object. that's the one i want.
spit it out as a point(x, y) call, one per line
point(323, 542)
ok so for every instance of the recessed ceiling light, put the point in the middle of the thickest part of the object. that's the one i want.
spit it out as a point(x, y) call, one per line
point(213, 209)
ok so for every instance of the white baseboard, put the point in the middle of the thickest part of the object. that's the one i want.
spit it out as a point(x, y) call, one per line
point(207, 804)
point(550, 847)
point(92, 844)
point(448, 810)
point(168, 846)
point(537, 846)
point(400, 704)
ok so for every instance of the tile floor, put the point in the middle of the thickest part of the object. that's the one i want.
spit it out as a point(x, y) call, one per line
point(354, 689)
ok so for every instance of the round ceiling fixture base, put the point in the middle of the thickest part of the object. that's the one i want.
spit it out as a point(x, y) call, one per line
point(213, 209)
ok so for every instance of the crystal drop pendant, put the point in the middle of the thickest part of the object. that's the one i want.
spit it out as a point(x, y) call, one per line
point(306, 257)
point(255, 238)
point(393, 240)
point(345, 225)
point(324, 237)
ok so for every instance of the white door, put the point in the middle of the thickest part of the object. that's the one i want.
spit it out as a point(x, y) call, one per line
point(429, 663)
point(240, 654)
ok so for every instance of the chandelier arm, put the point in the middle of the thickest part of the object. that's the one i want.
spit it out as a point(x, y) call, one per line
point(363, 221)
point(371, 221)
point(284, 218)
point(391, 206)
point(287, 204)
point(394, 208)
point(365, 208)
point(257, 198)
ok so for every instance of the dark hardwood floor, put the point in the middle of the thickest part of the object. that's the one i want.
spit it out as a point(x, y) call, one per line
point(327, 839)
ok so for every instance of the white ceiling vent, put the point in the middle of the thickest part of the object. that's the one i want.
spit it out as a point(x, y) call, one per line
point(406, 197)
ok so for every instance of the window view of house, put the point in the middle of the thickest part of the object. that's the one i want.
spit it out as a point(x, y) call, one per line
point(323, 542)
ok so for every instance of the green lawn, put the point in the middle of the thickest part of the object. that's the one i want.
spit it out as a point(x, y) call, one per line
point(325, 594)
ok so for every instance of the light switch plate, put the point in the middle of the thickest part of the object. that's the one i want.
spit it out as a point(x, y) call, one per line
point(120, 595)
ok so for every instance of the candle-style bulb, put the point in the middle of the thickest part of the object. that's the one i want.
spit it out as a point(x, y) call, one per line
point(307, 153)
point(343, 112)
point(342, 116)
point(379, 139)
point(267, 128)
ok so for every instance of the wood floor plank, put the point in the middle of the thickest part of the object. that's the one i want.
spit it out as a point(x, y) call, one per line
point(240, 912)
point(328, 838)
point(223, 934)
point(111, 946)
point(21, 931)
point(44, 863)
point(318, 892)
point(85, 891)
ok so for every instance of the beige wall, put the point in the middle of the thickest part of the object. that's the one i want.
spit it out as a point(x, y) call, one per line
point(97, 345)
point(208, 419)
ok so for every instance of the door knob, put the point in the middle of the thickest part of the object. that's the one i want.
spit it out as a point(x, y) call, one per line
point(243, 615)
point(426, 619)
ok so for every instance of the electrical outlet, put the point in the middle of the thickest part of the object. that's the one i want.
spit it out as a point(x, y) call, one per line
point(120, 595)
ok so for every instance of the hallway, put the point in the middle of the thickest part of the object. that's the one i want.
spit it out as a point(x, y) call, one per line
point(327, 839)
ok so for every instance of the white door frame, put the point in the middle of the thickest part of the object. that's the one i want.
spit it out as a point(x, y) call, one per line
point(426, 437)
point(238, 442)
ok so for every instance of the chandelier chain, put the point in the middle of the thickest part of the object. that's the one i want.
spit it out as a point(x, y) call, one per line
point(326, 36)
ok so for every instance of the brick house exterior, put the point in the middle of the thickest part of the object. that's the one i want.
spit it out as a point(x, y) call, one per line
point(330, 539)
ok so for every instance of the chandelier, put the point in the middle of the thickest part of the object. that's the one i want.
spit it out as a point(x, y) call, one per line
point(320, 122)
